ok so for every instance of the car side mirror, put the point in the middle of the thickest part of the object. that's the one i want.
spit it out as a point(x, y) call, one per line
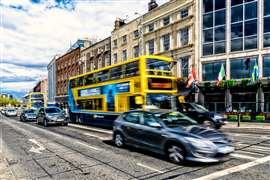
point(154, 125)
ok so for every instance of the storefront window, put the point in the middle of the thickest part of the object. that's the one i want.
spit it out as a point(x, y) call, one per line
point(242, 67)
point(244, 27)
point(266, 66)
point(211, 70)
point(214, 31)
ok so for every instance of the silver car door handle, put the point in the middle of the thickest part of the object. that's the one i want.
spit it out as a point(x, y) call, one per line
point(164, 135)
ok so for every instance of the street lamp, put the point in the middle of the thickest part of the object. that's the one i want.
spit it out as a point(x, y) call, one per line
point(140, 27)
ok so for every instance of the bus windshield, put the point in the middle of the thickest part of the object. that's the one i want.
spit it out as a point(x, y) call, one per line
point(155, 64)
point(159, 101)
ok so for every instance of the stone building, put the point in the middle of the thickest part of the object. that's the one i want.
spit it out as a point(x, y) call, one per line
point(167, 30)
point(96, 56)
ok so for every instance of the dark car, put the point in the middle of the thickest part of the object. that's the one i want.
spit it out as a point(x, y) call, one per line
point(28, 115)
point(172, 134)
point(51, 115)
point(202, 115)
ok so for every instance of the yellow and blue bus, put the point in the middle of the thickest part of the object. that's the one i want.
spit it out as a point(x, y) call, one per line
point(99, 96)
point(35, 100)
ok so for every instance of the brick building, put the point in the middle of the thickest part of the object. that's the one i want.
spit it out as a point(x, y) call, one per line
point(67, 65)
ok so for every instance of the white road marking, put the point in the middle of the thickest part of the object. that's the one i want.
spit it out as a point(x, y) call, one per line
point(91, 147)
point(91, 129)
point(234, 169)
point(148, 167)
point(96, 136)
point(261, 147)
point(252, 153)
point(242, 156)
point(36, 150)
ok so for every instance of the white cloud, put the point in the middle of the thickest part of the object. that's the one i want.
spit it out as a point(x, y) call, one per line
point(34, 33)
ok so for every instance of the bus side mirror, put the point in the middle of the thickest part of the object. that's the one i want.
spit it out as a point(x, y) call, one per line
point(139, 100)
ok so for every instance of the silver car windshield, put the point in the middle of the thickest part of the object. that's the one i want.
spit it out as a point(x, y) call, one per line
point(176, 119)
point(52, 110)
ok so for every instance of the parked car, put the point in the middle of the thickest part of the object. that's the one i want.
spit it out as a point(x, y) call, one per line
point(10, 112)
point(28, 115)
point(51, 115)
point(172, 134)
point(202, 115)
point(3, 111)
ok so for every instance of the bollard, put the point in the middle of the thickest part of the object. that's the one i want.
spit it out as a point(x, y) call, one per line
point(238, 122)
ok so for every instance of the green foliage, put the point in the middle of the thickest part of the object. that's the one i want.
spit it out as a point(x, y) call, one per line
point(246, 117)
point(260, 118)
point(7, 101)
point(232, 117)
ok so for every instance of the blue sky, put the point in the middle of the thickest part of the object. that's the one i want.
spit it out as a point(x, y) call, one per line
point(33, 31)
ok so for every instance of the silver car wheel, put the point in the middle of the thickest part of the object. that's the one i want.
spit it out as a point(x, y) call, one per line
point(118, 140)
point(176, 154)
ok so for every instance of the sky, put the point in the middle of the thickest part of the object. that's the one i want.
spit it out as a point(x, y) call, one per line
point(32, 32)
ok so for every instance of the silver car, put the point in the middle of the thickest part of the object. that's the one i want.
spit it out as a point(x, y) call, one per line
point(52, 115)
point(173, 134)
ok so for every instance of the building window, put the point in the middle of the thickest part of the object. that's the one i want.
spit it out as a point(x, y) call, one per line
point(136, 51)
point(266, 66)
point(266, 41)
point(124, 55)
point(242, 67)
point(124, 39)
point(184, 36)
point(151, 27)
point(244, 27)
point(166, 42)
point(211, 70)
point(115, 58)
point(184, 66)
point(115, 43)
point(166, 20)
point(184, 13)
point(136, 34)
point(151, 46)
point(214, 27)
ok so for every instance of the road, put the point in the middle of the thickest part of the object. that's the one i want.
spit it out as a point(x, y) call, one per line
point(30, 151)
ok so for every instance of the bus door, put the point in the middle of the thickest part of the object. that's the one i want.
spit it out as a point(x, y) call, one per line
point(122, 103)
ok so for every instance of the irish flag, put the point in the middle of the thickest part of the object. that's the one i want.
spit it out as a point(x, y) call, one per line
point(221, 75)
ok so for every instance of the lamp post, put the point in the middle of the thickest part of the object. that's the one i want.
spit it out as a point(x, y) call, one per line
point(140, 28)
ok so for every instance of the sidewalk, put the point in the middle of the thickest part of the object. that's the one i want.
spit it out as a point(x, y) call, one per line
point(247, 125)
point(5, 171)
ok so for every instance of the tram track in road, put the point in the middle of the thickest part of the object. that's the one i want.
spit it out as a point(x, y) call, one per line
point(172, 172)
point(100, 161)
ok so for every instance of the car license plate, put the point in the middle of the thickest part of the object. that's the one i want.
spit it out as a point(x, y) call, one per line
point(60, 119)
point(226, 149)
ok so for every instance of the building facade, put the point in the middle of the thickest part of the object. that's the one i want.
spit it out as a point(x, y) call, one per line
point(125, 40)
point(96, 56)
point(235, 34)
point(52, 80)
point(166, 30)
point(66, 66)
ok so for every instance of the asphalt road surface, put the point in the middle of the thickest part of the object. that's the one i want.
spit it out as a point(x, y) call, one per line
point(30, 151)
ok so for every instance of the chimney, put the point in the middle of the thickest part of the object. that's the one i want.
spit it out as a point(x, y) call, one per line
point(118, 23)
point(152, 5)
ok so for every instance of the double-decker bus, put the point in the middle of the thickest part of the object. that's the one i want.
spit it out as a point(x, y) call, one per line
point(99, 96)
point(34, 100)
